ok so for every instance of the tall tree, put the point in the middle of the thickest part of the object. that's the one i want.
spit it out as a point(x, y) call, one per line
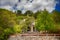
point(44, 21)
point(29, 13)
point(7, 18)
point(56, 18)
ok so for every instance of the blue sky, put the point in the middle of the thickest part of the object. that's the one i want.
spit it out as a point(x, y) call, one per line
point(57, 7)
point(33, 5)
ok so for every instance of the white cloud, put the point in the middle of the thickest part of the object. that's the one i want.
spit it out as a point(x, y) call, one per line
point(24, 5)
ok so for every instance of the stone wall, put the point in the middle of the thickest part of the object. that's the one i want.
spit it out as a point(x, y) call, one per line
point(32, 37)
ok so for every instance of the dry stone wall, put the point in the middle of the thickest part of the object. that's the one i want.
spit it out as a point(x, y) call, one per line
point(32, 37)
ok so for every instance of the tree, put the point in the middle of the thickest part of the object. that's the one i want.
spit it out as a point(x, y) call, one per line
point(36, 14)
point(7, 22)
point(56, 18)
point(7, 18)
point(44, 21)
point(19, 12)
point(29, 13)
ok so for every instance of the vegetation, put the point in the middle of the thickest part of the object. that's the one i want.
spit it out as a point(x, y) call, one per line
point(12, 23)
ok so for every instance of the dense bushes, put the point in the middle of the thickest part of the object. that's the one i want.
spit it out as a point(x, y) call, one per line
point(5, 33)
point(48, 22)
point(7, 24)
point(12, 23)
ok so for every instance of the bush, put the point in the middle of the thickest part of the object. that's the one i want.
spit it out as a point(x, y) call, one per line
point(17, 29)
point(5, 33)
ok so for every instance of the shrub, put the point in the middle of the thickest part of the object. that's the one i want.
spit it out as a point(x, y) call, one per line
point(5, 33)
point(17, 28)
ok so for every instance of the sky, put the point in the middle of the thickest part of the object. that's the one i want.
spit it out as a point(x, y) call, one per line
point(57, 7)
point(32, 5)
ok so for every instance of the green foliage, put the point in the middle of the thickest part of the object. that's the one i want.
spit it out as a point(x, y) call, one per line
point(7, 18)
point(36, 14)
point(56, 18)
point(44, 21)
point(5, 33)
point(19, 13)
point(28, 13)
point(17, 29)
point(25, 22)
point(12, 23)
